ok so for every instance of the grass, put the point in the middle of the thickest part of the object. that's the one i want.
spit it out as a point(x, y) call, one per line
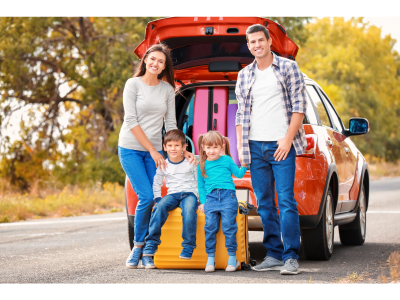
point(394, 268)
point(71, 201)
point(352, 278)
point(383, 169)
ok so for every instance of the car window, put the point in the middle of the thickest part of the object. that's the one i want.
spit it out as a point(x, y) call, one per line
point(232, 96)
point(334, 116)
point(310, 113)
point(323, 115)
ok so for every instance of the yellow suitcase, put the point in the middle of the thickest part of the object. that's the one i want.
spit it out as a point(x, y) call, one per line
point(167, 256)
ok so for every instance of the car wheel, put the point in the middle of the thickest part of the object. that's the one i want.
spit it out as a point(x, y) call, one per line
point(318, 242)
point(354, 233)
point(131, 234)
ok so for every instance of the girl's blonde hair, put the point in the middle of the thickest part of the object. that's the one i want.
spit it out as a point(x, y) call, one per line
point(209, 139)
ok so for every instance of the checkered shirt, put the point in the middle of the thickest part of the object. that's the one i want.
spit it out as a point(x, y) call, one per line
point(292, 87)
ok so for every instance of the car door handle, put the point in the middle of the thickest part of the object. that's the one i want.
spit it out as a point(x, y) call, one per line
point(329, 142)
point(346, 149)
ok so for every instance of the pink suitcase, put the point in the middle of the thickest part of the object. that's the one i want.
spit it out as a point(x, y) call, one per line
point(231, 117)
point(210, 112)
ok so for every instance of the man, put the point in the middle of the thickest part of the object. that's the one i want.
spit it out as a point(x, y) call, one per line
point(271, 107)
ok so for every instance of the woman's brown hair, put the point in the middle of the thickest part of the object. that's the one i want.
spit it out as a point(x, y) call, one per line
point(168, 73)
point(209, 139)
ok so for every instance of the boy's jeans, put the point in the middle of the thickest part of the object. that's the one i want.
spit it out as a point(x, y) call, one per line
point(265, 171)
point(140, 169)
point(222, 204)
point(188, 203)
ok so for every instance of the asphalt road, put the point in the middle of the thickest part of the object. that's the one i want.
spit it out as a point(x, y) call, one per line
point(93, 249)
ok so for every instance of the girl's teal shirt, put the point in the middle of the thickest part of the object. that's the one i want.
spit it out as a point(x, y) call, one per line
point(219, 176)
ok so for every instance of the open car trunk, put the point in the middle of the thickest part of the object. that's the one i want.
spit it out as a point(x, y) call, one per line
point(211, 48)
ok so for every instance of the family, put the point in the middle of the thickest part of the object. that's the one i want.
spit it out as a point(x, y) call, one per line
point(272, 91)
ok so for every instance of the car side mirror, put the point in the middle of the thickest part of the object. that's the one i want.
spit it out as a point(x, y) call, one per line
point(357, 126)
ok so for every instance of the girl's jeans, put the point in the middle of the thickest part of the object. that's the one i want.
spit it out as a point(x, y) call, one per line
point(140, 169)
point(221, 204)
point(266, 174)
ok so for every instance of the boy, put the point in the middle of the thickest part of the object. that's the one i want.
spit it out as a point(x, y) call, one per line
point(181, 181)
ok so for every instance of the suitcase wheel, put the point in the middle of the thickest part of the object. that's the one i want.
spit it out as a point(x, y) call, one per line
point(245, 267)
point(253, 262)
point(243, 210)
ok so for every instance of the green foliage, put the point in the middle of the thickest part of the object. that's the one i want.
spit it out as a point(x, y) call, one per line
point(358, 69)
point(295, 27)
point(90, 59)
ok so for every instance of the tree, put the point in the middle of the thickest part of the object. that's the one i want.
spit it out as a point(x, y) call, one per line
point(295, 27)
point(56, 64)
point(359, 71)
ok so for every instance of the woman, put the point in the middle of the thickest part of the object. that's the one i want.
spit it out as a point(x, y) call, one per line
point(148, 101)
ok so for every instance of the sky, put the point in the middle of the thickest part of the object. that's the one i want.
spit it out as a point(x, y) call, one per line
point(389, 25)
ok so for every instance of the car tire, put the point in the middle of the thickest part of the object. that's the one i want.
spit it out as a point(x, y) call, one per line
point(354, 233)
point(318, 242)
point(131, 234)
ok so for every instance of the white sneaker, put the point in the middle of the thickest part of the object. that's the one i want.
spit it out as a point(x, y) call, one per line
point(230, 268)
point(210, 268)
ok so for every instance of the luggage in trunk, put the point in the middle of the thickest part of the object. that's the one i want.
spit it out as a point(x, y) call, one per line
point(209, 112)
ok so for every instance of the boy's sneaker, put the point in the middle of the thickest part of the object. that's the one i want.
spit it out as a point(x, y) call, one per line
point(186, 254)
point(150, 250)
point(148, 262)
point(269, 264)
point(133, 259)
point(291, 267)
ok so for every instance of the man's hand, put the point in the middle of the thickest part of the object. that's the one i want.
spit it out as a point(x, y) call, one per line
point(240, 154)
point(284, 146)
point(201, 208)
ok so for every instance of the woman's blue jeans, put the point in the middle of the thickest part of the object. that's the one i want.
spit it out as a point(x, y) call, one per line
point(266, 173)
point(140, 169)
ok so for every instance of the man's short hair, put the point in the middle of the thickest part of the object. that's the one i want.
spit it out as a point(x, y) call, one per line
point(256, 28)
point(175, 135)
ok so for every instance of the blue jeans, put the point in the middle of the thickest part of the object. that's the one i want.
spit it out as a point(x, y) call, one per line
point(221, 204)
point(140, 169)
point(188, 203)
point(265, 171)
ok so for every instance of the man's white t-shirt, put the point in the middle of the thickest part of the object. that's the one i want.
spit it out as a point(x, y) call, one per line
point(267, 122)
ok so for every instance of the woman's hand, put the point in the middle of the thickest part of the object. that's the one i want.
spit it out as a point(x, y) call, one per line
point(201, 208)
point(189, 156)
point(158, 159)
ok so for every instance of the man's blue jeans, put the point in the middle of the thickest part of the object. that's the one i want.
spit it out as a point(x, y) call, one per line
point(265, 171)
point(188, 203)
point(221, 204)
point(140, 169)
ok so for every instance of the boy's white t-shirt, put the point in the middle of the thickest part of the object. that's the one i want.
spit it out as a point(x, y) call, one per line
point(180, 177)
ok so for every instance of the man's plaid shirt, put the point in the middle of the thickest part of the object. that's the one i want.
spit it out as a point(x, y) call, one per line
point(292, 87)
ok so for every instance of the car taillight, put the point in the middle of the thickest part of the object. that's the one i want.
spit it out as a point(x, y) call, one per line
point(311, 146)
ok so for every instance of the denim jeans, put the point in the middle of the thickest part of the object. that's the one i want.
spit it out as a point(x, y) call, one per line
point(265, 171)
point(221, 204)
point(140, 169)
point(188, 203)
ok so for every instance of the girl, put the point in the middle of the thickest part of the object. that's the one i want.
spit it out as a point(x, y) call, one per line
point(148, 99)
point(218, 195)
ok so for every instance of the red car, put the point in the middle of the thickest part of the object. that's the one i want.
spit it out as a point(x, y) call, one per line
point(332, 178)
